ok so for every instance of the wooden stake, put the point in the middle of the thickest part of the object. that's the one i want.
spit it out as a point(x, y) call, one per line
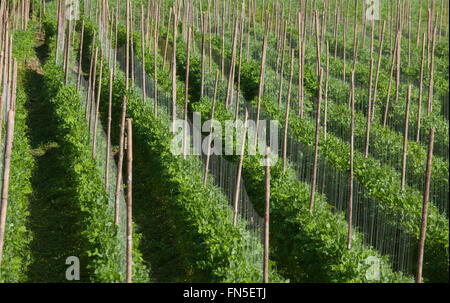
point(92, 101)
point(155, 73)
point(238, 179)
point(267, 218)
point(288, 105)
point(7, 161)
point(280, 91)
point(369, 103)
point(317, 42)
point(186, 88)
point(423, 227)
point(144, 92)
point(174, 71)
point(81, 56)
point(99, 89)
point(230, 86)
point(122, 123)
point(108, 140)
point(420, 90)
point(405, 140)
point(261, 77)
point(89, 91)
point(386, 109)
point(129, 201)
point(352, 127)
point(239, 65)
point(378, 70)
point(167, 38)
point(430, 87)
point(67, 54)
point(205, 175)
point(325, 109)
point(344, 50)
point(418, 24)
point(202, 81)
point(316, 145)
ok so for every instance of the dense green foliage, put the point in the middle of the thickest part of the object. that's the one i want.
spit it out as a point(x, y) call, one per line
point(16, 255)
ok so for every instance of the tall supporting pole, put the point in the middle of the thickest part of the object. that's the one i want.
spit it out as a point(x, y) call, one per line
point(205, 175)
point(186, 88)
point(129, 201)
point(419, 109)
point(423, 227)
point(288, 105)
point(238, 179)
point(7, 161)
point(316, 145)
point(405, 139)
point(267, 219)
point(350, 202)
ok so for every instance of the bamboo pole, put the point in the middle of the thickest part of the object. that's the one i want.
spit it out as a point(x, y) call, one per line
point(344, 50)
point(430, 87)
point(420, 90)
point(129, 201)
point(352, 127)
point(124, 112)
point(288, 105)
point(238, 179)
point(409, 35)
point(378, 71)
point(423, 227)
point(397, 82)
point(300, 66)
point(440, 20)
point(99, 89)
point(81, 55)
point(355, 34)
point(316, 145)
point(239, 64)
point(369, 103)
point(186, 88)
point(267, 218)
point(174, 71)
point(202, 81)
point(155, 73)
point(230, 86)
point(144, 92)
point(7, 161)
point(89, 91)
point(167, 38)
point(280, 91)
point(67, 53)
point(92, 101)
point(418, 24)
point(405, 140)
point(317, 42)
point(205, 175)
point(325, 107)
point(261, 76)
point(108, 140)
point(386, 109)
point(223, 42)
point(428, 37)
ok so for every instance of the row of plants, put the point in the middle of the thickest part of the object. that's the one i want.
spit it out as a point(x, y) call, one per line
point(100, 248)
point(212, 249)
point(16, 254)
point(396, 112)
point(381, 181)
point(316, 255)
point(384, 144)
